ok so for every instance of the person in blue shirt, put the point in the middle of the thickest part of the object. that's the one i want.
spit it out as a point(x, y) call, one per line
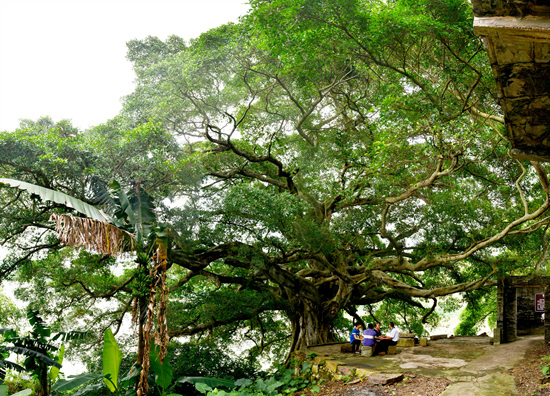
point(355, 337)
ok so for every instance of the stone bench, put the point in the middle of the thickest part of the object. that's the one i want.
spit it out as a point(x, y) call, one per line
point(438, 337)
point(345, 348)
point(406, 340)
point(366, 351)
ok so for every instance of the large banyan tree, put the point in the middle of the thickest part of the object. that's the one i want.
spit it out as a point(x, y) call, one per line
point(330, 154)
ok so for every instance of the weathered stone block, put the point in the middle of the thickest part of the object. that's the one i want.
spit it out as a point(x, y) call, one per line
point(361, 372)
point(332, 365)
point(346, 370)
point(384, 379)
point(524, 79)
point(542, 52)
point(318, 359)
point(315, 369)
point(405, 342)
point(345, 348)
point(366, 351)
point(392, 349)
point(489, 47)
point(407, 335)
point(510, 51)
point(497, 336)
point(438, 337)
point(423, 341)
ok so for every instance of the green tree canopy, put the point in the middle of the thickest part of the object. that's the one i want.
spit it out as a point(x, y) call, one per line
point(317, 156)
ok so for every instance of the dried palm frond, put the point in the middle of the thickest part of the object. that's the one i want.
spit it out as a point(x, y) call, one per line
point(161, 336)
point(158, 274)
point(92, 235)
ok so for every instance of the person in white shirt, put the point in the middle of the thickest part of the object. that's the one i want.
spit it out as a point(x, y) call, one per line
point(386, 341)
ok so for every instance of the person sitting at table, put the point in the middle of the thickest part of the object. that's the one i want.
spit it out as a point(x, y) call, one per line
point(386, 341)
point(355, 338)
point(368, 337)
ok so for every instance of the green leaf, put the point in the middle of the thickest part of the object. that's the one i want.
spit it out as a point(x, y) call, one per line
point(213, 382)
point(34, 354)
point(202, 387)
point(75, 381)
point(243, 382)
point(111, 360)
point(3, 390)
point(89, 389)
point(55, 196)
point(25, 392)
point(131, 376)
point(54, 371)
point(271, 388)
point(163, 372)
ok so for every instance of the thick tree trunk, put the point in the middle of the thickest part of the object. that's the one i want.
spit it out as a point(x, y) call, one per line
point(44, 379)
point(311, 325)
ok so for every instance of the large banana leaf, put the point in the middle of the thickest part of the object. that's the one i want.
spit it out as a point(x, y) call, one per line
point(74, 381)
point(111, 360)
point(163, 372)
point(54, 371)
point(47, 194)
point(92, 232)
point(4, 391)
point(212, 382)
point(21, 350)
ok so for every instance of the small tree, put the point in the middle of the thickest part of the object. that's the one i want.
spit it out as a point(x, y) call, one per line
point(43, 358)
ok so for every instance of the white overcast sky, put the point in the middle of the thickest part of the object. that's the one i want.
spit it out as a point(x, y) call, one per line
point(67, 58)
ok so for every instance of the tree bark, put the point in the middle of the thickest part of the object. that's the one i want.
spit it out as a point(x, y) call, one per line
point(311, 325)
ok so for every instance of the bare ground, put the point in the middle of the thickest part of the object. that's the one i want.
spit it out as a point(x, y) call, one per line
point(527, 374)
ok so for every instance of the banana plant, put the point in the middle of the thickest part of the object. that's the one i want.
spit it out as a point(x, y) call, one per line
point(42, 358)
point(131, 225)
point(112, 358)
point(4, 355)
point(4, 391)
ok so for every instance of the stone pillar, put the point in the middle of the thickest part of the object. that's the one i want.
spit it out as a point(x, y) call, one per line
point(510, 313)
point(498, 336)
point(546, 315)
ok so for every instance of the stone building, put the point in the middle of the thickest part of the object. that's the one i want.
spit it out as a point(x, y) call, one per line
point(516, 34)
point(518, 313)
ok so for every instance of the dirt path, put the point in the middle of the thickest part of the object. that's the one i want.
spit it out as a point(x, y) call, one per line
point(486, 371)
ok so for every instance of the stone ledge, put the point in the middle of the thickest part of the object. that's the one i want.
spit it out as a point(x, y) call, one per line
point(384, 379)
point(346, 370)
point(405, 342)
point(528, 28)
point(319, 359)
point(332, 365)
point(361, 372)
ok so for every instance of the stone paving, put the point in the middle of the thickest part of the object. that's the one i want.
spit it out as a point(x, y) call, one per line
point(472, 364)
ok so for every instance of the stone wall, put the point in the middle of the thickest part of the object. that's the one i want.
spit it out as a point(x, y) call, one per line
point(516, 307)
point(516, 8)
point(528, 321)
